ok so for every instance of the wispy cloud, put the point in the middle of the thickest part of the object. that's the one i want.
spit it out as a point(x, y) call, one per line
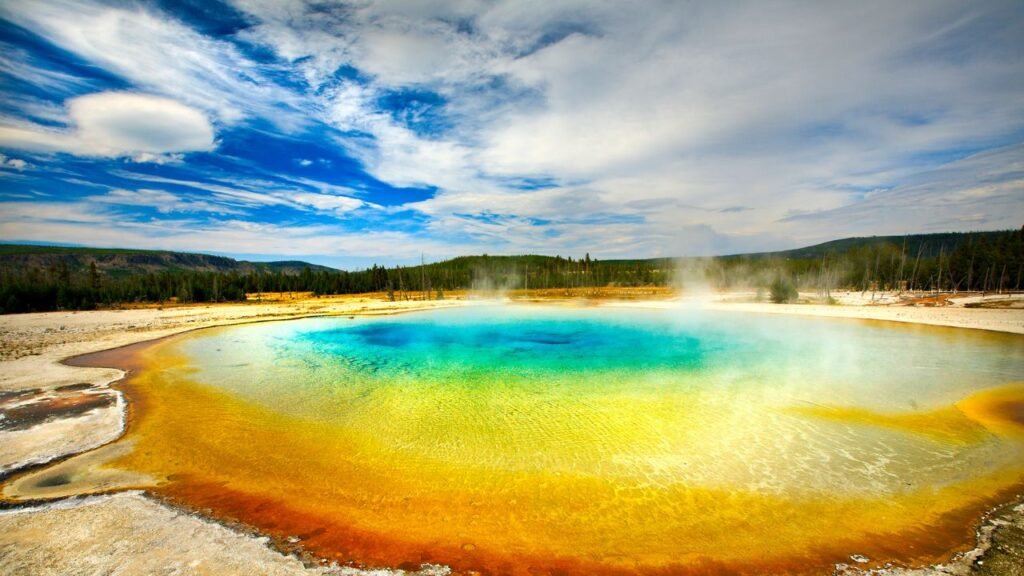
point(89, 223)
point(161, 200)
point(985, 190)
point(771, 108)
point(255, 193)
point(619, 129)
point(156, 52)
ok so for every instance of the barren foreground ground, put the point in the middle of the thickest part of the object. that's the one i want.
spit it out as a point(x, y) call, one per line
point(49, 410)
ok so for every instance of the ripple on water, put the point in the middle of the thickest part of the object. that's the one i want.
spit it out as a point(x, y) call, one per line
point(624, 440)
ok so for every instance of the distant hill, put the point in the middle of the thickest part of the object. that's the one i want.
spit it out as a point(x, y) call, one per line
point(124, 262)
point(39, 278)
point(930, 245)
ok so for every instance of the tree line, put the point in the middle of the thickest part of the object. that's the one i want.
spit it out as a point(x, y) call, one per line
point(26, 288)
point(971, 262)
point(982, 262)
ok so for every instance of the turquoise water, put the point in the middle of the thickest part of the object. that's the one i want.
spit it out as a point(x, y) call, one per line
point(629, 390)
point(873, 365)
point(617, 436)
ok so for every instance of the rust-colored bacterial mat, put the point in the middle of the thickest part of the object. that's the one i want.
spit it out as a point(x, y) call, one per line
point(514, 440)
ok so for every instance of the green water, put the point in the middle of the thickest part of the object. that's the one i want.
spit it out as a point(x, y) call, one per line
point(659, 396)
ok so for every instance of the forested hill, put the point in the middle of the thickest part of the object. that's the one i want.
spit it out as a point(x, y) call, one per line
point(40, 278)
point(927, 245)
point(121, 262)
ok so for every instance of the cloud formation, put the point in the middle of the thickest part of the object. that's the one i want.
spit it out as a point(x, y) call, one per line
point(618, 128)
point(770, 107)
point(158, 53)
point(161, 200)
point(116, 124)
point(12, 163)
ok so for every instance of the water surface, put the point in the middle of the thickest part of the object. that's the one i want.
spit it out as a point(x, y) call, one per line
point(538, 440)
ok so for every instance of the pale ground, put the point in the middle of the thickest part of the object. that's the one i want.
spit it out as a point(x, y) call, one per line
point(862, 306)
point(129, 533)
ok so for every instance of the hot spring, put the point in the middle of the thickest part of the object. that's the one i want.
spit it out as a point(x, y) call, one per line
point(522, 440)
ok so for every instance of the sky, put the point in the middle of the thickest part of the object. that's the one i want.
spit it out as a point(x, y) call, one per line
point(352, 133)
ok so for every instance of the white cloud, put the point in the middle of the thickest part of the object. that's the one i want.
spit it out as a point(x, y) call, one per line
point(159, 54)
point(248, 194)
point(983, 191)
point(400, 57)
point(60, 213)
point(245, 196)
point(117, 124)
point(95, 224)
point(13, 163)
point(161, 200)
point(395, 154)
point(19, 63)
point(327, 202)
point(683, 107)
point(647, 120)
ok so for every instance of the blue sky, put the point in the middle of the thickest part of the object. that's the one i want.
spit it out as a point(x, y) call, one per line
point(354, 133)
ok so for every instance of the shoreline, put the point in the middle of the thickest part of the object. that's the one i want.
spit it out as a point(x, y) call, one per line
point(145, 509)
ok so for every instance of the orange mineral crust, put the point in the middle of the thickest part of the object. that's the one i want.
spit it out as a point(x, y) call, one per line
point(668, 472)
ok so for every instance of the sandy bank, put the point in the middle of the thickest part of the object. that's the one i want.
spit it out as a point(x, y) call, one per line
point(130, 534)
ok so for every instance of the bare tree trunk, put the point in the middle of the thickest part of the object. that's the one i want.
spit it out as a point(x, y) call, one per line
point(821, 273)
point(970, 272)
point(913, 275)
point(874, 286)
point(903, 262)
point(892, 264)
